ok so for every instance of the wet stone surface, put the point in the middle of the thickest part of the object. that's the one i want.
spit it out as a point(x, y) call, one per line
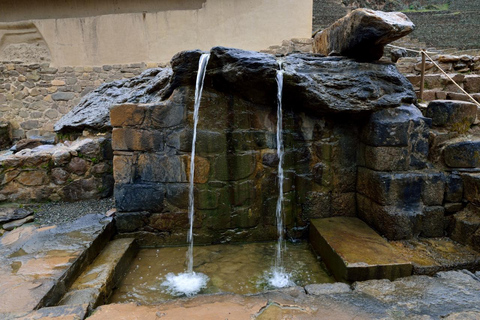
point(38, 263)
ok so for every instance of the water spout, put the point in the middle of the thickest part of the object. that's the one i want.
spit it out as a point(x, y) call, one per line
point(202, 67)
point(279, 277)
point(190, 283)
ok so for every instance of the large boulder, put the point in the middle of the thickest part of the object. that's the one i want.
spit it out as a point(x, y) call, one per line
point(362, 34)
point(93, 112)
point(311, 82)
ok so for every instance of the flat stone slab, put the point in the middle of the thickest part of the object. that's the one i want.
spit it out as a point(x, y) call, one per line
point(77, 312)
point(11, 213)
point(97, 281)
point(354, 252)
point(37, 264)
point(431, 255)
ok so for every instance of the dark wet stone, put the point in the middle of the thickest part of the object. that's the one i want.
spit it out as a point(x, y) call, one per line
point(453, 188)
point(460, 114)
point(465, 154)
point(391, 127)
point(93, 111)
point(139, 197)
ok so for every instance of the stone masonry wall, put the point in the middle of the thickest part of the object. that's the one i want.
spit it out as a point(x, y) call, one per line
point(68, 171)
point(236, 185)
point(33, 97)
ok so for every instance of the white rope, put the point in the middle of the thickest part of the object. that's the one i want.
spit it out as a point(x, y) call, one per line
point(439, 68)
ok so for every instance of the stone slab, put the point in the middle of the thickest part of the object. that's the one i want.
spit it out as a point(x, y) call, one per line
point(354, 252)
point(38, 264)
point(97, 281)
point(448, 295)
point(432, 255)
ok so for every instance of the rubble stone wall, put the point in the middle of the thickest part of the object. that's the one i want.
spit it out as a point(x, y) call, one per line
point(35, 96)
point(70, 171)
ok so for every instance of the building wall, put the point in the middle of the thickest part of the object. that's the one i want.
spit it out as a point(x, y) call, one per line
point(152, 31)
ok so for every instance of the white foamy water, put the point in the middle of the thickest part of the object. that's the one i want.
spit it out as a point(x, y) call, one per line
point(279, 279)
point(185, 283)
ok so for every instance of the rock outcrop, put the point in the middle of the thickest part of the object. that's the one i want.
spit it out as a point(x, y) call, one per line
point(93, 111)
point(362, 34)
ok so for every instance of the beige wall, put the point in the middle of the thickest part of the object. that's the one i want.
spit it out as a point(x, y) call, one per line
point(157, 36)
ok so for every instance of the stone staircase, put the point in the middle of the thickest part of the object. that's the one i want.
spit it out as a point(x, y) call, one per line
point(418, 185)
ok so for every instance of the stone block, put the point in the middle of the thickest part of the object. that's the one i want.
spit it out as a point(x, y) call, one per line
point(153, 167)
point(453, 188)
point(170, 113)
point(453, 207)
point(354, 252)
point(393, 127)
point(202, 168)
point(471, 187)
point(82, 189)
point(458, 115)
point(124, 168)
point(127, 115)
point(387, 158)
point(233, 167)
point(208, 142)
point(131, 221)
point(317, 205)
point(465, 154)
point(177, 194)
point(393, 222)
point(139, 197)
point(433, 222)
point(344, 204)
point(77, 166)
point(171, 222)
point(129, 139)
point(401, 189)
point(466, 224)
point(472, 83)
point(63, 96)
point(32, 178)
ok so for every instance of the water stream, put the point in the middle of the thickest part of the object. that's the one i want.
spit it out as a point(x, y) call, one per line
point(279, 278)
point(190, 282)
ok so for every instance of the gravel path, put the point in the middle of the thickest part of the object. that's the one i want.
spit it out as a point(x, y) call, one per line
point(59, 212)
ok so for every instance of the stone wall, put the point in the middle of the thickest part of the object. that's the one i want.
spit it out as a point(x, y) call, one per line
point(69, 171)
point(236, 185)
point(35, 96)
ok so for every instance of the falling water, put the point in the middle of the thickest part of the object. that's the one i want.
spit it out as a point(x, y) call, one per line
point(190, 283)
point(279, 277)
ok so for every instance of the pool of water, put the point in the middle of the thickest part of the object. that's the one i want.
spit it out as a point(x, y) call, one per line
point(236, 268)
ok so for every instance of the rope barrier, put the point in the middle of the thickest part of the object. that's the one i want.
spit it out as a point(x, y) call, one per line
point(439, 68)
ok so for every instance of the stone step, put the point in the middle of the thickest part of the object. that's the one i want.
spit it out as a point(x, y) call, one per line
point(354, 252)
point(37, 264)
point(95, 284)
point(433, 255)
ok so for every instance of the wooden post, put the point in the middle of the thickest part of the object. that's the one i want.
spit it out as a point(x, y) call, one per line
point(422, 78)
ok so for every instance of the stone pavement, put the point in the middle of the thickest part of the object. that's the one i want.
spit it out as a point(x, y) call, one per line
point(449, 295)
